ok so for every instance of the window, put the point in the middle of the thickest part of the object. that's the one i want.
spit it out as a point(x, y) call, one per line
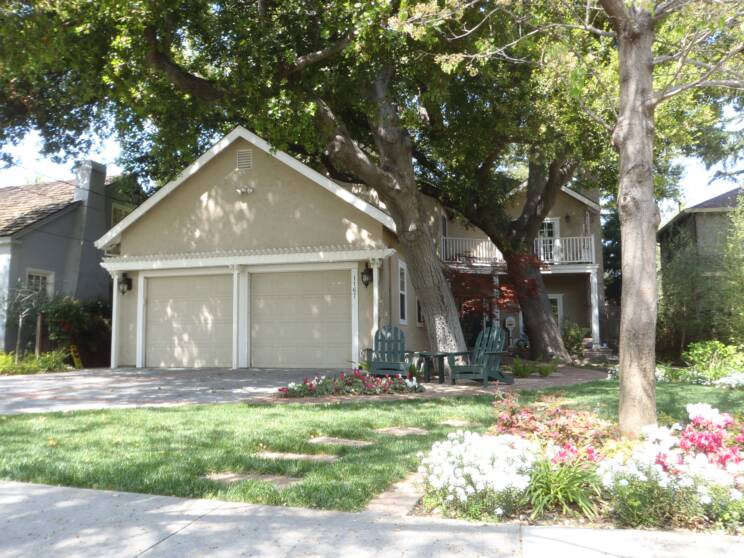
point(40, 281)
point(549, 228)
point(118, 212)
point(402, 292)
point(419, 314)
point(556, 305)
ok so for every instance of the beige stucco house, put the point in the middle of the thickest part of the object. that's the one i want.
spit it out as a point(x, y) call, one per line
point(249, 258)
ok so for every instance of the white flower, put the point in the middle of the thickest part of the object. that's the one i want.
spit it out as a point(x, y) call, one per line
point(623, 482)
point(706, 412)
point(732, 381)
point(498, 511)
point(705, 499)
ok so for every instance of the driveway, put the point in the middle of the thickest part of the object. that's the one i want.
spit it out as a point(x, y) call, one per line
point(131, 387)
point(38, 520)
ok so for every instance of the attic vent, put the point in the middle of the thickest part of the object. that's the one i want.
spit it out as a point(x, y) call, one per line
point(245, 159)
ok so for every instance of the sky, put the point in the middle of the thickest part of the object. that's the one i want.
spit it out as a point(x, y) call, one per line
point(32, 167)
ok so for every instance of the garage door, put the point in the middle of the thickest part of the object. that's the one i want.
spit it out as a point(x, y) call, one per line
point(301, 320)
point(189, 321)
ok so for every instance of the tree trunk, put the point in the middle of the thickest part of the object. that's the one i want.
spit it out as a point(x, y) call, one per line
point(546, 341)
point(639, 219)
point(441, 315)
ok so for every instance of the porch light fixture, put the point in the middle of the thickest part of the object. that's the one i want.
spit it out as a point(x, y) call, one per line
point(125, 283)
point(366, 275)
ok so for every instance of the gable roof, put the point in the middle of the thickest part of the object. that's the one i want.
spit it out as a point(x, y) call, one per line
point(721, 203)
point(239, 132)
point(583, 198)
point(22, 206)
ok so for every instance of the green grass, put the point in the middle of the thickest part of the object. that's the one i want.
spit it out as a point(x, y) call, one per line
point(167, 451)
point(671, 399)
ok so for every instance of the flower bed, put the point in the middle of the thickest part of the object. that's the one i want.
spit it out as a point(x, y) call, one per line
point(546, 462)
point(355, 383)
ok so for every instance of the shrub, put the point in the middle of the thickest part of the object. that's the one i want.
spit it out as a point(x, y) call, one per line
point(714, 359)
point(53, 361)
point(525, 368)
point(573, 337)
point(479, 476)
point(565, 486)
point(356, 383)
point(679, 479)
point(547, 422)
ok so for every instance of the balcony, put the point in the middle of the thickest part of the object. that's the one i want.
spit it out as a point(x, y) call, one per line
point(553, 251)
point(565, 250)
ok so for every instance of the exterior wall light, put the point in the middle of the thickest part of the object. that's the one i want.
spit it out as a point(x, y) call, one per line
point(125, 283)
point(366, 275)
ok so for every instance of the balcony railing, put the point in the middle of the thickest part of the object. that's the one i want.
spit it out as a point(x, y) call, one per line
point(555, 251)
point(565, 250)
point(474, 251)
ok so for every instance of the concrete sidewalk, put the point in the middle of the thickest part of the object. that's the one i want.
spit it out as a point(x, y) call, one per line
point(38, 520)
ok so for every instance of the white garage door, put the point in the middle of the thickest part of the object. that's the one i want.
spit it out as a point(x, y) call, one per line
point(189, 321)
point(301, 320)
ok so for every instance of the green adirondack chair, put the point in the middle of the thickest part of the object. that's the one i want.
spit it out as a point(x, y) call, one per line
point(389, 356)
point(484, 361)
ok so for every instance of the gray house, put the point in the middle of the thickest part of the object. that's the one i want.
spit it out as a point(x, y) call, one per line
point(46, 238)
point(705, 224)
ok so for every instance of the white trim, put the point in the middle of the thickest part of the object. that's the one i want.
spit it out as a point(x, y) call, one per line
point(569, 268)
point(204, 260)
point(140, 332)
point(404, 268)
point(221, 145)
point(115, 322)
point(375, 295)
point(580, 197)
point(594, 305)
point(354, 317)
point(244, 316)
point(42, 273)
point(236, 300)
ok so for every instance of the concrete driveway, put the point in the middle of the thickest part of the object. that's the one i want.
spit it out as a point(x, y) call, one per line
point(130, 387)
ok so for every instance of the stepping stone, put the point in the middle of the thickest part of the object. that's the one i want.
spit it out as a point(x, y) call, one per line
point(400, 431)
point(457, 423)
point(330, 440)
point(229, 478)
point(316, 458)
point(400, 498)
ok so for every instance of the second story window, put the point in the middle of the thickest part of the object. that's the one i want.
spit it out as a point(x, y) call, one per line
point(402, 292)
point(118, 212)
point(40, 281)
point(549, 229)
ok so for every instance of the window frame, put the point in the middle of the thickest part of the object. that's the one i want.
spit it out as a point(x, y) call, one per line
point(48, 275)
point(402, 293)
point(558, 297)
point(122, 206)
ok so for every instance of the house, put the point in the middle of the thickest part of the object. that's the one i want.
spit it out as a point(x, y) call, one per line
point(249, 258)
point(704, 224)
point(47, 233)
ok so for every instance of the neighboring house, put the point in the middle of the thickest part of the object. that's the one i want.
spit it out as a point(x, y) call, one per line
point(249, 258)
point(47, 233)
point(704, 224)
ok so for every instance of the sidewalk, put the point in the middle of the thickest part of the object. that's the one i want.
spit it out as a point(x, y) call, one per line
point(38, 520)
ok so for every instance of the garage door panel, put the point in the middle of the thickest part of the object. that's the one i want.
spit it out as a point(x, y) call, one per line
point(301, 319)
point(189, 321)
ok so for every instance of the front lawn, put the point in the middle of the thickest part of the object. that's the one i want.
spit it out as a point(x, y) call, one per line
point(168, 451)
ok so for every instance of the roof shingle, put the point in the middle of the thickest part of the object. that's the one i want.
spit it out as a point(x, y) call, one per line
point(725, 200)
point(21, 206)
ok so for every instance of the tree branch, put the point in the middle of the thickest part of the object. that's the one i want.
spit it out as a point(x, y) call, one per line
point(617, 12)
point(198, 87)
point(319, 55)
point(704, 80)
